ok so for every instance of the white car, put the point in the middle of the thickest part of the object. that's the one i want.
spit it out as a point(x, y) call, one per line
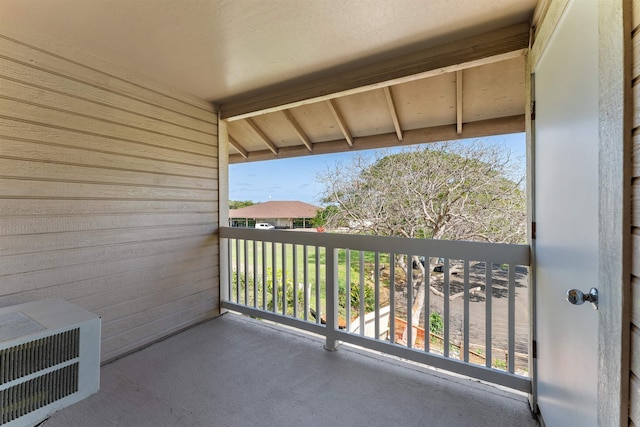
point(264, 226)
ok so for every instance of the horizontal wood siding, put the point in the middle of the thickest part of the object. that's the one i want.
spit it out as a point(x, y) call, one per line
point(634, 388)
point(108, 192)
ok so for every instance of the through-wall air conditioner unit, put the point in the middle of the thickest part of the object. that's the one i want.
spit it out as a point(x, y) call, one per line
point(49, 359)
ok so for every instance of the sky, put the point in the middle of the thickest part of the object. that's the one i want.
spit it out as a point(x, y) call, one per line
point(295, 179)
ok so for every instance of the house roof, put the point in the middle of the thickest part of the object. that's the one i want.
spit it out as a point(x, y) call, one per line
point(296, 78)
point(276, 209)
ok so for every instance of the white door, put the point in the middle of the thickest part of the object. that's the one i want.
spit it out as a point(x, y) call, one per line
point(566, 215)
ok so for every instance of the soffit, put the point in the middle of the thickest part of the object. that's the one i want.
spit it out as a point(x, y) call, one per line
point(229, 50)
point(218, 49)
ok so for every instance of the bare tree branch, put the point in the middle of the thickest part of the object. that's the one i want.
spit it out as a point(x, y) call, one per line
point(448, 191)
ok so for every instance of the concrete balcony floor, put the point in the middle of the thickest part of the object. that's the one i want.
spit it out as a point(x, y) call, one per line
point(234, 371)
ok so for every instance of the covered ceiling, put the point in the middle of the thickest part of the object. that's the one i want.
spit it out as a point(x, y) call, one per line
point(298, 77)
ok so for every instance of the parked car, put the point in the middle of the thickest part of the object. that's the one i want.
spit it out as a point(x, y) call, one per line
point(264, 226)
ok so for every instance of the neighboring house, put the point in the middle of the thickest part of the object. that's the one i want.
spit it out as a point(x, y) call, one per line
point(281, 214)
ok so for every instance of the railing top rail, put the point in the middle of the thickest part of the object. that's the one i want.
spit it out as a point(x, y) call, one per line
point(453, 249)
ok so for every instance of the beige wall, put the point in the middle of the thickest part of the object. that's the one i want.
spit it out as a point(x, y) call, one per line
point(108, 192)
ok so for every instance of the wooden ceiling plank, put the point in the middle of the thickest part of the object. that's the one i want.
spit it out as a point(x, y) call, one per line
point(459, 101)
point(296, 126)
point(239, 148)
point(500, 126)
point(263, 136)
point(393, 111)
point(341, 123)
point(481, 49)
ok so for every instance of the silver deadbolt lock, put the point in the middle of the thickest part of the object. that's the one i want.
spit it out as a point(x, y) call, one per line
point(577, 297)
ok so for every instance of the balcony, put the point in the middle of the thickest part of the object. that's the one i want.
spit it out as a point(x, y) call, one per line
point(360, 289)
point(236, 371)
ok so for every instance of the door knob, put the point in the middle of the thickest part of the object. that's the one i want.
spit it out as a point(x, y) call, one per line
point(577, 297)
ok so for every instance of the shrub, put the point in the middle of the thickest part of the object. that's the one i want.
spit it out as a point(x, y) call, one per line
point(436, 325)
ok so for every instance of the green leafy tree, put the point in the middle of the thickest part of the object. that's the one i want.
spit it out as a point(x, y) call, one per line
point(320, 220)
point(237, 204)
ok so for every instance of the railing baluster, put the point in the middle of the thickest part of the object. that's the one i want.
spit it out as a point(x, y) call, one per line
point(445, 272)
point(318, 284)
point(347, 288)
point(409, 275)
point(305, 279)
point(362, 313)
point(246, 271)
point(376, 292)
point(466, 310)
point(331, 296)
point(488, 297)
point(255, 273)
point(238, 270)
point(274, 283)
point(283, 247)
point(264, 275)
point(392, 298)
point(427, 308)
point(295, 280)
point(230, 267)
point(512, 317)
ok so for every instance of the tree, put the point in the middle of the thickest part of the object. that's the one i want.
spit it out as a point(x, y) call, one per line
point(448, 191)
point(320, 220)
point(237, 204)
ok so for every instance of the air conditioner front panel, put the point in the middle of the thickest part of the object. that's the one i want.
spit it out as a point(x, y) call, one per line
point(49, 359)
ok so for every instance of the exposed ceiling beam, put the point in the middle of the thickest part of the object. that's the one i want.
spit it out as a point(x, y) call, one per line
point(239, 148)
point(478, 129)
point(301, 133)
point(263, 136)
point(459, 101)
point(393, 111)
point(472, 51)
point(341, 123)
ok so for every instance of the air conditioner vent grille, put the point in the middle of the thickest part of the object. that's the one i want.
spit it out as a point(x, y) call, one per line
point(25, 359)
point(40, 391)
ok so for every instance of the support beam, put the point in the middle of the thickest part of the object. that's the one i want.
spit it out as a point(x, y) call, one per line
point(393, 111)
point(479, 129)
point(239, 148)
point(263, 136)
point(223, 206)
point(459, 101)
point(493, 46)
point(542, 6)
point(301, 133)
point(544, 30)
point(341, 123)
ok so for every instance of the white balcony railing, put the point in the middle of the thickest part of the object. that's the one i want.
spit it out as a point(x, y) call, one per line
point(350, 288)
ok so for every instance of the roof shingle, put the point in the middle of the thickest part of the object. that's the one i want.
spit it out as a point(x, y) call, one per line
point(276, 209)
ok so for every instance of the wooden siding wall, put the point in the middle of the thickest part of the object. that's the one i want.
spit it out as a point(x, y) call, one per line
point(634, 389)
point(108, 192)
